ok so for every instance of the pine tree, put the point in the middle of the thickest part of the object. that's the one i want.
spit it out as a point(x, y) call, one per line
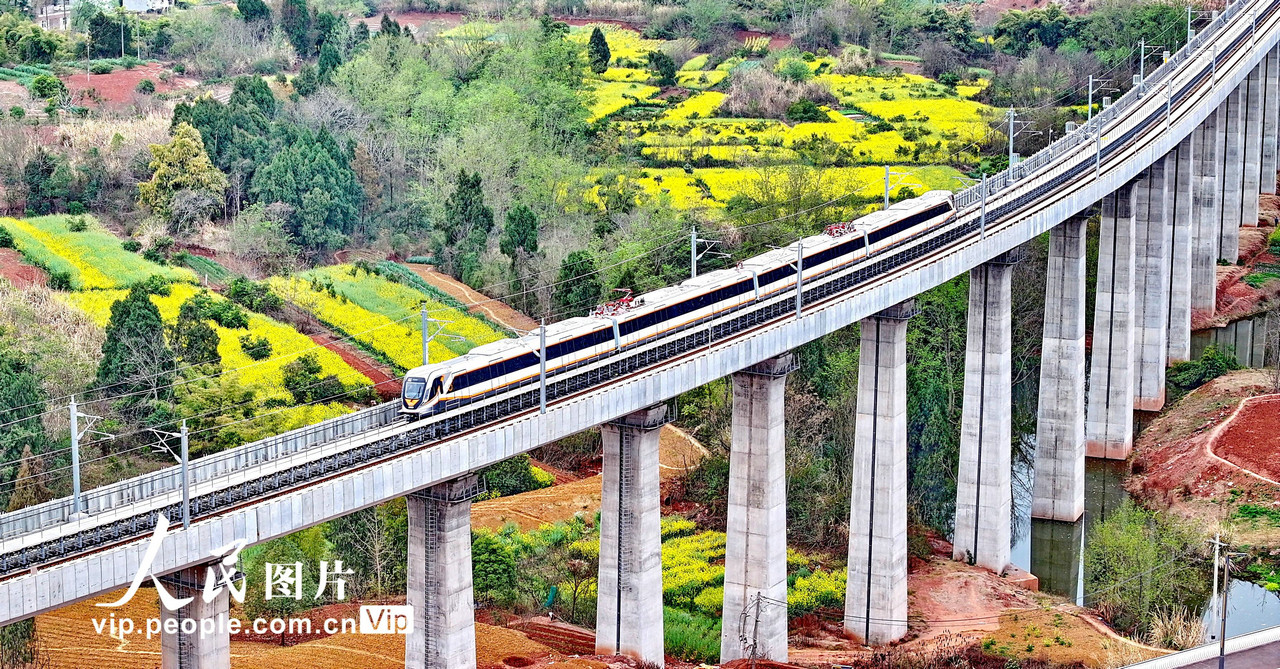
point(664, 67)
point(330, 59)
point(598, 51)
point(307, 81)
point(195, 342)
point(253, 10)
point(389, 27)
point(295, 19)
point(467, 222)
point(520, 232)
point(21, 401)
point(136, 359)
point(577, 286)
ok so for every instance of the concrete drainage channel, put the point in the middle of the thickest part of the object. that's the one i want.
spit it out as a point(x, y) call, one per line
point(1209, 652)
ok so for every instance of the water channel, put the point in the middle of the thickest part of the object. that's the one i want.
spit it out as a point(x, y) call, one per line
point(1054, 551)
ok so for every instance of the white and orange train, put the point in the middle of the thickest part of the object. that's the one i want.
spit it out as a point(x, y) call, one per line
point(502, 366)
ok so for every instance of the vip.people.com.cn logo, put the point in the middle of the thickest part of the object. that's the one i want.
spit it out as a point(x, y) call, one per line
point(281, 581)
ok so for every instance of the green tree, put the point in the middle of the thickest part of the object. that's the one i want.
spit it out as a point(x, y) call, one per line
point(295, 20)
point(194, 341)
point(311, 173)
point(389, 27)
point(520, 232)
point(308, 80)
point(47, 179)
point(511, 476)
point(106, 32)
point(180, 165)
point(136, 359)
point(250, 92)
point(21, 403)
point(253, 10)
point(330, 59)
point(664, 68)
point(493, 568)
point(598, 51)
point(302, 379)
point(466, 225)
point(577, 286)
point(46, 87)
point(1140, 563)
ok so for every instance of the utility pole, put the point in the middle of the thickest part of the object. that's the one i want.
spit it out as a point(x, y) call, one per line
point(1011, 116)
point(694, 256)
point(427, 335)
point(888, 185)
point(183, 458)
point(77, 500)
point(542, 366)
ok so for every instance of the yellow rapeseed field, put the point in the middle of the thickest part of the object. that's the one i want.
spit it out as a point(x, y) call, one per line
point(702, 104)
point(265, 376)
point(624, 44)
point(613, 96)
point(92, 258)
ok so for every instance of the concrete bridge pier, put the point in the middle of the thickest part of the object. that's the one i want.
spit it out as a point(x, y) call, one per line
point(1252, 153)
point(1181, 216)
point(1231, 123)
point(1270, 119)
point(1109, 418)
point(439, 579)
point(629, 601)
point(983, 493)
point(1207, 166)
point(1058, 492)
point(875, 605)
point(193, 649)
point(1151, 282)
point(755, 563)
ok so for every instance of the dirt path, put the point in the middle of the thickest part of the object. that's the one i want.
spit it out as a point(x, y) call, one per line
point(677, 452)
point(385, 381)
point(478, 302)
point(1250, 439)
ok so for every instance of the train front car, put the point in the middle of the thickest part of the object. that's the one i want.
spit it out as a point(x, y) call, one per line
point(420, 390)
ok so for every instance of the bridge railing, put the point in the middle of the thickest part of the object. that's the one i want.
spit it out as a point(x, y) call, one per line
point(107, 497)
point(1088, 131)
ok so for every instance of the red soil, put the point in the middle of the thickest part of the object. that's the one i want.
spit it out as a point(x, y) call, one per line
point(118, 86)
point(385, 383)
point(1251, 439)
point(18, 272)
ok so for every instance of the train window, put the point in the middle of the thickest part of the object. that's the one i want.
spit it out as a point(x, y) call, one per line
point(436, 386)
point(413, 387)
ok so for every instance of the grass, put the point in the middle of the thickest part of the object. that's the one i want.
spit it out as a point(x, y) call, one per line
point(205, 268)
point(691, 637)
point(382, 314)
point(93, 258)
point(264, 376)
point(1256, 512)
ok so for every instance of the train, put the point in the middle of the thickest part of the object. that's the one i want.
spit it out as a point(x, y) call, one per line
point(631, 321)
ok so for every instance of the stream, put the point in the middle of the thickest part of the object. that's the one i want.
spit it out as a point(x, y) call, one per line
point(1054, 551)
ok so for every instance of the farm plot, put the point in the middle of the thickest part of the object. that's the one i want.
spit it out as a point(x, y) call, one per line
point(382, 314)
point(264, 376)
point(608, 97)
point(90, 259)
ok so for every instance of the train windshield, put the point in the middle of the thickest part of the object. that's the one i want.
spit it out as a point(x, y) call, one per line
point(413, 388)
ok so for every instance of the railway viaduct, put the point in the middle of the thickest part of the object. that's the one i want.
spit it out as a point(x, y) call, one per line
point(1173, 169)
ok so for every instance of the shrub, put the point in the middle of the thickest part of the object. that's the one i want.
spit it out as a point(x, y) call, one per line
point(17, 113)
point(76, 208)
point(1214, 362)
point(254, 296)
point(795, 70)
point(131, 245)
point(1274, 241)
point(46, 86)
point(258, 348)
point(146, 87)
point(805, 111)
point(60, 280)
point(101, 67)
point(77, 224)
point(6, 238)
point(759, 93)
